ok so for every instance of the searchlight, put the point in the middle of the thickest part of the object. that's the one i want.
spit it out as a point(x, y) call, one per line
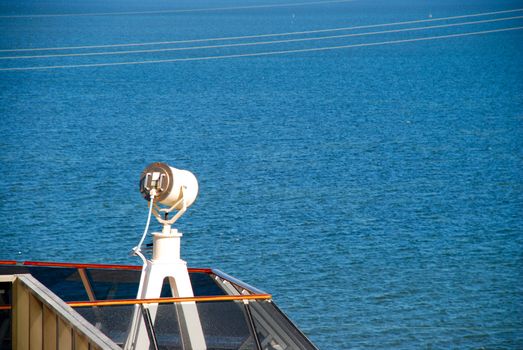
point(167, 189)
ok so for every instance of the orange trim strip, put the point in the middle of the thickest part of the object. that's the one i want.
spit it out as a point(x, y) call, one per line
point(161, 300)
point(7, 262)
point(168, 300)
point(200, 269)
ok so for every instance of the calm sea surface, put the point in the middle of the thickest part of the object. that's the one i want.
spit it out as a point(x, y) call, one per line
point(375, 191)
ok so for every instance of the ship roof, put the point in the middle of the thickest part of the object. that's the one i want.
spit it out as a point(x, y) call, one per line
point(234, 315)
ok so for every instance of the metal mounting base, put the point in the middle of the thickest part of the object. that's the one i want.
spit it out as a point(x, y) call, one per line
point(166, 263)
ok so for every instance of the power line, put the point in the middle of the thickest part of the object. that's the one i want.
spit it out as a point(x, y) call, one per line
point(264, 42)
point(208, 9)
point(263, 35)
point(267, 53)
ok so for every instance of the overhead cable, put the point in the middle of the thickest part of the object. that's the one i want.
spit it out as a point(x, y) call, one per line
point(267, 53)
point(262, 42)
point(156, 12)
point(263, 35)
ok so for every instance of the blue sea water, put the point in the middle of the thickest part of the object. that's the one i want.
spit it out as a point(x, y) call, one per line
point(375, 191)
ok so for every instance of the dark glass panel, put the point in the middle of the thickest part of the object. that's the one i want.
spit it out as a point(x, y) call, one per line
point(114, 284)
point(106, 283)
point(12, 270)
point(113, 321)
point(225, 325)
point(166, 327)
point(63, 281)
point(275, 330)
point(204, 285)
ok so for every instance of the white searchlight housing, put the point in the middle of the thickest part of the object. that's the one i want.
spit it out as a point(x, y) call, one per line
point(168, 190)
point(170, 186)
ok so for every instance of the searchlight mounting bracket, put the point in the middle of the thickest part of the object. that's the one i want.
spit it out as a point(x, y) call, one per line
point(158, 211)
